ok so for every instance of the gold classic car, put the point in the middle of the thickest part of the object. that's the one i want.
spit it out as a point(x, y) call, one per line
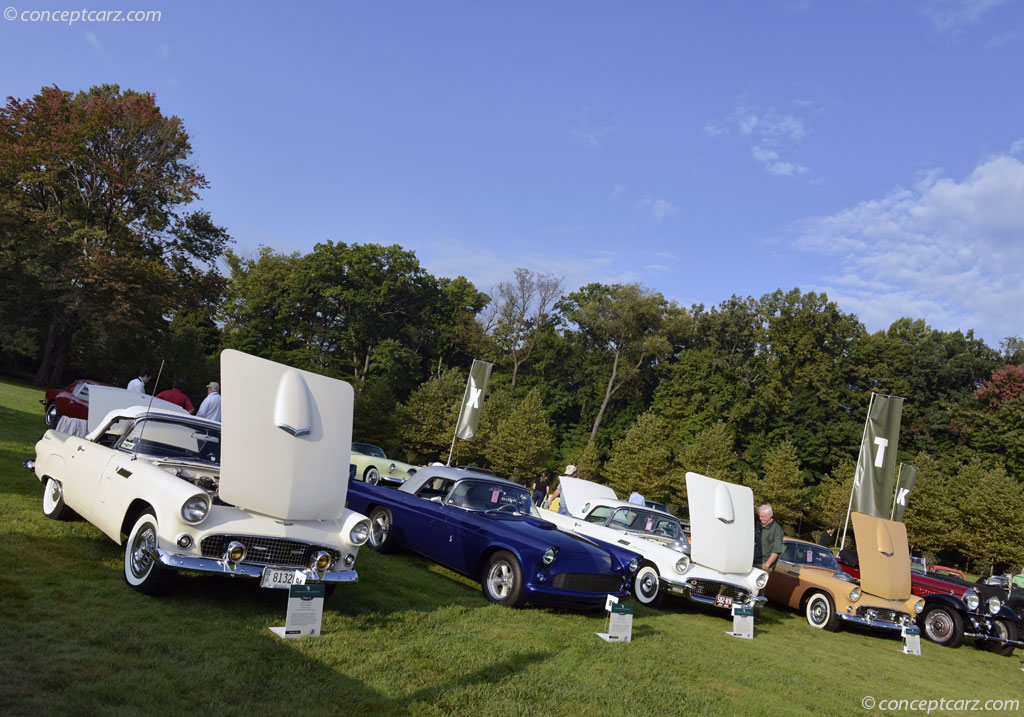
point(808, 578)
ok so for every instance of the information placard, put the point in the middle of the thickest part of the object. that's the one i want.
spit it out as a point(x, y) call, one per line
point(742, 622)
point(305, 611)
point(911, 640)
point(620, 623)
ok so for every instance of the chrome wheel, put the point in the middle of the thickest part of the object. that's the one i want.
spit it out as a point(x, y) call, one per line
point(821, 612)
point(646, 585)
point(52, 415)
point(943, 626)
point(141, 569)
point(372, 476)
point(53, 496)
point(380, 528)
point(141, 552)
point(500, 580)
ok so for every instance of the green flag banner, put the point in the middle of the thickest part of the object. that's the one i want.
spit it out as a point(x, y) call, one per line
point(908, 474)
point(876, 464)
point(473, 399)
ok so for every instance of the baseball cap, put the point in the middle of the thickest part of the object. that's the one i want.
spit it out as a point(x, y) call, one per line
point(214, 385)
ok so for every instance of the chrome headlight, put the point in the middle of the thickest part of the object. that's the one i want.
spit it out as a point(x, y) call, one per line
point(855, 595)
point(683, 564)
point(549, 556)
point(761, 580)
point(634, 564)
point(195, 509)
point(972, 600)
point(919, 606)
point(235, 552)
point(994, 603)
point(321, 561)
point(360, 532)
point(392, 468)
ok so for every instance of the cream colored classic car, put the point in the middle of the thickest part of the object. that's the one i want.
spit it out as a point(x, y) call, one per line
point(808, 578)
point(716, 568)
point(369, 463)
point(254, 497)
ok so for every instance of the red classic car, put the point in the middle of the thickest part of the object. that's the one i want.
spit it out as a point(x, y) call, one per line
point(71, 401)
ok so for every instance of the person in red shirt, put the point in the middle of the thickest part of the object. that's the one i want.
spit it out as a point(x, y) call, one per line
point(177, 396)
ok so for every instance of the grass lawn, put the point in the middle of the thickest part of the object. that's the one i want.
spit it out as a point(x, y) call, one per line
point(409, 638)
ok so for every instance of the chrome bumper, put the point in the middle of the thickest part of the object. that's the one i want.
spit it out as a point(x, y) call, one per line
point(685, 590)
point(989, 638)
point(244, 570)
point(885, 624)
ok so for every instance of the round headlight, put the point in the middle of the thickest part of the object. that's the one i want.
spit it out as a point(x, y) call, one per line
point(322, 560)
point(195, 509)
point(761, 580)
point(855, 595)
point(972, 600)
point(634, 564)
point(549, 556)
point(360, 532)
point(994, 603)
point(392, 468)
point(919, 606)
point(235, 552)
point(683, 564)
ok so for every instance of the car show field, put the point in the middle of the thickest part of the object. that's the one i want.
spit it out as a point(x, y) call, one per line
point(410, 637)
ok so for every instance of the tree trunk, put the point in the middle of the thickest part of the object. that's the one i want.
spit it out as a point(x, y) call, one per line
point(42, 377)
point(609, 390)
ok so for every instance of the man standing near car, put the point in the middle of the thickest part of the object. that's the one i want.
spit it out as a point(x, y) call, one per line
point(767, 539)
point(138, 385)
point(177, 396)
point(210, 407)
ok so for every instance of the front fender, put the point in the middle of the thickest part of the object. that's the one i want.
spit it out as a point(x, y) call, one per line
point(1006, 613)
point(950, 601)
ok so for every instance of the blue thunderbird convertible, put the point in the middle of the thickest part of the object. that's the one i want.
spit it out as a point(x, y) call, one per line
point(487, 528)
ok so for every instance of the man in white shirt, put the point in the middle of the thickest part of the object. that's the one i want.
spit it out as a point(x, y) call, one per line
point(210, 407)
point(138, 385)
point(636, 498)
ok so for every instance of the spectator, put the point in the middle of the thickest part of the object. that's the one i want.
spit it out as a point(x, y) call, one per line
point(827, 536)
point(177, 396)
point(210, 407)
point(540, 489)
point(138, 385)
point(1018, 580)
point(767, 539)
point(636, 498)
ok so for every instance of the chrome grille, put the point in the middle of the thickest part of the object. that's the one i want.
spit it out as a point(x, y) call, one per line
point(880, 614)
point(587, 583)
point(267, 551)
point(709, 589)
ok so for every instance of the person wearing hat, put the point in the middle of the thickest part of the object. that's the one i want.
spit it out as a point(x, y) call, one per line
point(210, 407)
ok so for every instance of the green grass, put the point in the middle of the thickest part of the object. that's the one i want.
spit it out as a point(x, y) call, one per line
point(409, 638)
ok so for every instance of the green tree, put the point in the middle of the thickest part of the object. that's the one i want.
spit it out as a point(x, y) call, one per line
point(991, 505)
point(588, 464)
point(711, 453)
point(94, 230)
point(521, 443)
point(427, 420)
point(781, 485)
point(642, 459)
point(833, 495)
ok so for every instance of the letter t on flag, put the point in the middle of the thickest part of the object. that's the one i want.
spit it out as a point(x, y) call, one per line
point(473, 399)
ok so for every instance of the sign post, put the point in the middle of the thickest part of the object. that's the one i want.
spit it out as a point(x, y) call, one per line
point(305, 611)
point(620, 621)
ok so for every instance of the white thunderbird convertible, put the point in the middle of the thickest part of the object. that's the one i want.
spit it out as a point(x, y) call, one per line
point(716, 568)
point(256, 497)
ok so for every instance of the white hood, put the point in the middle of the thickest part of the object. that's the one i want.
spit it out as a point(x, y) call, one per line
point(721, 524)
point(286, 438)
point(104, 399)
point(577, 493)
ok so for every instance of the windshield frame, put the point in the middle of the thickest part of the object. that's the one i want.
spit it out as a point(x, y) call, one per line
point(458, 497)
point(137, 431)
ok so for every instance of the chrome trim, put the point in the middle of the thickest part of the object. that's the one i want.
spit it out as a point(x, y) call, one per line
point(990, 638)
point(684, 589)
point(210, 565)
point(873, 623)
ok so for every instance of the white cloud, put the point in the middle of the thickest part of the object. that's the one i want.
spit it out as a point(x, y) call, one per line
point(589, 131)
point(659, 208)
point(944, 250)
point(617, 190)
point(771, 132)
point(94, 41)
point(952, 15)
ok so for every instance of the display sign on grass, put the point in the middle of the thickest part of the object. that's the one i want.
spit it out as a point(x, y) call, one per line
point(305, 611)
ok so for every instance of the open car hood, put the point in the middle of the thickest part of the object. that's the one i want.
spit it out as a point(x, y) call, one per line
point(104, 399)
point(577, 492)
point(721, 524)
point(286, 437)
point(884, 556)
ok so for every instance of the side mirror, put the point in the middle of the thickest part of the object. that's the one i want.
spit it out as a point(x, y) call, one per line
point(437, 499)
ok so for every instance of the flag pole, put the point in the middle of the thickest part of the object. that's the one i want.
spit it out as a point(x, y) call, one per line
point(842, 543)
point(458, 420)
point(899, 474)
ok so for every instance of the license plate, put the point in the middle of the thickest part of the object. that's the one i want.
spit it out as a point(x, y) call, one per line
point(723, 601)
point(277, 578)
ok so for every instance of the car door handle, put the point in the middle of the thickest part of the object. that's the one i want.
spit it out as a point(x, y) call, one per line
point(80, 448)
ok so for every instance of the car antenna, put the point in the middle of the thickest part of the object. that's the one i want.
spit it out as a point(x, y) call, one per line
point(149, 407)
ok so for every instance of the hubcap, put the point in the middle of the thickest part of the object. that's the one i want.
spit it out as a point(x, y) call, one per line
point(51, 497)
point(372, 476)
point(939, 626)
point(500, 580)
point(819, 611)
point(142, 551)
point(379, 529)
point(648, 585)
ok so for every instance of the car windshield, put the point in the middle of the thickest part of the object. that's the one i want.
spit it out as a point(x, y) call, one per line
point(645, 521)
point(816, 555)
point(368, 450)
point(169, 439)
point(487, 495)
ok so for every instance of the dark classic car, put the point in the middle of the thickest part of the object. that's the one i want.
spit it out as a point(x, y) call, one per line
point(955, 609)
point(71, 401)
point(488, 529)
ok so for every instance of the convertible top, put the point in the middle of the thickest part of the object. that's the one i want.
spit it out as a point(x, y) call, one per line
point(132, 412)
point(424, 474)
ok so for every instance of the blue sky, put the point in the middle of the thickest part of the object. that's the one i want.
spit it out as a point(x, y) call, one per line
point(871, 150)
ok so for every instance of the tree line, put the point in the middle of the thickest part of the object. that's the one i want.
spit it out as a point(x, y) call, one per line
point(107, 267)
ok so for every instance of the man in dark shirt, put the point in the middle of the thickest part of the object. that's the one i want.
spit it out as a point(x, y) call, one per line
point(767, 539)
point(540, 488)
point(177, 396)
point(826, 537)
